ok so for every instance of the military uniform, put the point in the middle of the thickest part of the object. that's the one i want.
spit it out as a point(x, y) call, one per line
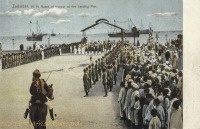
point(90, 75)
point(104, 81)
point(99, 68)
point(93, 74)
point(86, 82)
point(96, 71)
point(110, 78)
point(115, 73)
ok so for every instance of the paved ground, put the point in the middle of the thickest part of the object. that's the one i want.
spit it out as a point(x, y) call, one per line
point(73, 110)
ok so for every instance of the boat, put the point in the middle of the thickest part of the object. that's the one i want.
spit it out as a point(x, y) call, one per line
point(126, 34)
point(132, 32)
point(144, 31)
point(52, 33)
point(35, 36)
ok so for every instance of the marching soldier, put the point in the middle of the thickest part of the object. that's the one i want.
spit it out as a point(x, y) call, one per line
point(104, 81)
point(110, 77)
point(86, 82)
point(115, 72)
point(96, 70)
point(93, 75)
point(91, 60)
point(90, 75)
point(99, 67)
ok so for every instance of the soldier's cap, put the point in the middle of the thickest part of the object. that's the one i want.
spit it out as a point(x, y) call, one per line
point(36, 73)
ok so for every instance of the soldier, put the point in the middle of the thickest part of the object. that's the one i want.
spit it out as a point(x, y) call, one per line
point(93, 75)
point(96, 70)
point(115, 72)
point(90, 75)
point(104, 81)
point(86, 82)
point(99, 67)
point(110, 77)
point(91, 60)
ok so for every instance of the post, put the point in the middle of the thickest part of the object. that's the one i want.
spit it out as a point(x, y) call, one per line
point(166, 37)
point(122, 35)
point(49, 40)
point(134, 38)
point(13, 43)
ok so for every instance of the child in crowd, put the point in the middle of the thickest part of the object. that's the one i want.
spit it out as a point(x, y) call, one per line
point(155, 121)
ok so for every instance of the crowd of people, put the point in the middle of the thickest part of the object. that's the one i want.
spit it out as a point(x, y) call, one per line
point(151, 94)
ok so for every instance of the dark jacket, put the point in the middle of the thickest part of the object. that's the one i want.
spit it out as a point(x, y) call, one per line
point(38, 93)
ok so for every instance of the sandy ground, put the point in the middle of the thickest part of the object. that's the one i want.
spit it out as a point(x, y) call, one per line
point(73, 110)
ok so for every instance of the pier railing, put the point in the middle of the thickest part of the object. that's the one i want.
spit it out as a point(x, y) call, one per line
point(10, 60)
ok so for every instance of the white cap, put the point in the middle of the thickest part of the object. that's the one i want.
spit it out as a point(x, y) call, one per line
point(149, 82)
point(134, 85)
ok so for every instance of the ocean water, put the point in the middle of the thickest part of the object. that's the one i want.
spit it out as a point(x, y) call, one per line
point(7, 41)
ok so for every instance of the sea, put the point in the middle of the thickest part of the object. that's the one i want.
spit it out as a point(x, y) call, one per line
point(13, 42)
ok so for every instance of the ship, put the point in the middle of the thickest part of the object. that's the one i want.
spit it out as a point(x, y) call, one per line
point(144, 31)
point(52, 33)
point(126, 34)
point(133, 32)
point(35, 36)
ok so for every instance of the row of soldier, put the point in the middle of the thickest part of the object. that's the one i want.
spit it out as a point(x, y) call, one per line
point(15, 59)
point(151, 91)
point(104, 69)
point(92, 48)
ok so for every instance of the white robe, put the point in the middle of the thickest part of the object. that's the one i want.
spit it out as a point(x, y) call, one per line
point(121, 100)
point(176, 121)
point(134, 94)
point(170, 109)
point(155, 123)
point(148, 115)
point(127, 105)
point(161, 113)
point(137, 107)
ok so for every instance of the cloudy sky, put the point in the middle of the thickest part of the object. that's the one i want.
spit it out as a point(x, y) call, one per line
point(71, 16)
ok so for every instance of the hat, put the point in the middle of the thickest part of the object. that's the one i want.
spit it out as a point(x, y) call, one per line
point(167, 73)
point(159, 78)
point(150, 72)
point(158, 70)
point(128, 76)
point(134, 85)
point(160, 98)
point(130, 80)
point(172, 74)
point(149, 82)
point(152, 75)
point(163, 72)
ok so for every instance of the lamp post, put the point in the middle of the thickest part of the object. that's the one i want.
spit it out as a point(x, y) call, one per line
point(13, 43)
point(49, 40)
point(166, 37)
point(157, 37)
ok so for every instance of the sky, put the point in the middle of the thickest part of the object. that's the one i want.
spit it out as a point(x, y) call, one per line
point(71, 16)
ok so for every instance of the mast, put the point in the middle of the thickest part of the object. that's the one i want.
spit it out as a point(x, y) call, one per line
point(30, 27)
point(38, 28)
